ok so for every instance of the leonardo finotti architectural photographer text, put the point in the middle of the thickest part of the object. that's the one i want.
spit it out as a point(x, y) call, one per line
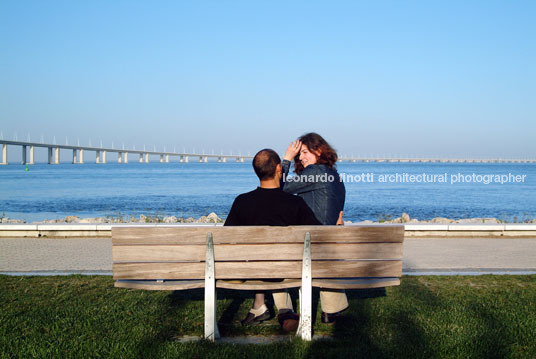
point(412, 178)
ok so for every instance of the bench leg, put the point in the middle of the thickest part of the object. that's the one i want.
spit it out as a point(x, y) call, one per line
point(211, 323)
point(306, 293)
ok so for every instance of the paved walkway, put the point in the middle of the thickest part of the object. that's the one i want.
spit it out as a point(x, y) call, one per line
point(421, 255)
point(469, 255)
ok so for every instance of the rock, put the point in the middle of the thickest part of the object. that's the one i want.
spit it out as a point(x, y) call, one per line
point(442, 220)
point(414, 220)
point(469, 220)
point(189, 220)
point(213, 218)
point(143, 218)
point(92, 220)
point(170, 219)
point(490, 220)
point(71, 219)
point(202, 219)
point(404, 218)
point(7, 220)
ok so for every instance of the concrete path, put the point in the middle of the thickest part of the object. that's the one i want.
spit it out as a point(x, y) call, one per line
point(469, 255)
point(421, 255)
point(50, 254)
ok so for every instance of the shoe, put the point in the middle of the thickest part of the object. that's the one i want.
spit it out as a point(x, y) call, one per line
point(330, 318)
point(251, 319)
point(288, 320)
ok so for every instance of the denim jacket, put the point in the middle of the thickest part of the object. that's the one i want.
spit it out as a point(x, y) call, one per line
point(320, 187)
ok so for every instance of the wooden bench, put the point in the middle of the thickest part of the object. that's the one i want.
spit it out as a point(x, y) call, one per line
point(336, 257)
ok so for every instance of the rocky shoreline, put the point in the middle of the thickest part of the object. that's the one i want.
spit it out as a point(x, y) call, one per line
point(211, 218)
point(214, 218)
point(405, 218)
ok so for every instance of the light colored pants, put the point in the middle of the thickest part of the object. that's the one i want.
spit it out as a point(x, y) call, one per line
point(332, 301)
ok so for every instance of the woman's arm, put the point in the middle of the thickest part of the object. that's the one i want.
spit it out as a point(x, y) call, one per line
point(300, 183)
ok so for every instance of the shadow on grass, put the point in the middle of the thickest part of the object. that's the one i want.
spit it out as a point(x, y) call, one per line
point(413, 320)
point(174, 310)
point(494, 339)
point(366, 332)
point(152, 344)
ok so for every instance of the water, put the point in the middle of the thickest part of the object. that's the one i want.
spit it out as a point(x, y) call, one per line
point(196, 189)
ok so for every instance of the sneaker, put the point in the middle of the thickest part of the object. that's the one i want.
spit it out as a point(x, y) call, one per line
point(289, 320)
point(251, 319)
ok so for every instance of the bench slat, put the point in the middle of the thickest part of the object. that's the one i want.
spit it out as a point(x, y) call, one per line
point(259, 285)
point(258, 270)
point(154, 285)
point(358, 283)
point(256, 234)
point(253, 252)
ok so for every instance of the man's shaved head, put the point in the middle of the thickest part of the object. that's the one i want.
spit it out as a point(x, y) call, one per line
point(265, 163)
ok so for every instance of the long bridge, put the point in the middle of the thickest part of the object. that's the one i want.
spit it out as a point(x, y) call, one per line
point(101, 154)
point(143, 155)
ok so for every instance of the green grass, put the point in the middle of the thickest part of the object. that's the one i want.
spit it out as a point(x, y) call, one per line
point(425, 317)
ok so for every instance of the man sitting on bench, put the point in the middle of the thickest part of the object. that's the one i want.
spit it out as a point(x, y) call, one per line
point(269, 205)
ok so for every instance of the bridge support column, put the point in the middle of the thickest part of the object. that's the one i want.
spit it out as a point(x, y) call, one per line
point(205, 159)
point(186, 159)
point(97, 157)
point(81, 157)
point(75, 159)
point(200, 158)
point(119, 157)
point(146, 158)
point(161, 158)
point(141, 157)
point(23, 155)
point(4, 154)
point(125, 157)
point(167, 158)
point(57, 156)
point(103, 156)
point(31, 155)
point(50, 157)
point(224, 159)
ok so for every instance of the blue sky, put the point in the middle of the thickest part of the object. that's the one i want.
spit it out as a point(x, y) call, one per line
point(376, 77)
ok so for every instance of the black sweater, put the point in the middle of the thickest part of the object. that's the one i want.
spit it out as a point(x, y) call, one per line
point(271, 207)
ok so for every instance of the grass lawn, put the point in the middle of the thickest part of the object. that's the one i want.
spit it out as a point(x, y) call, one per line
point(425, 317)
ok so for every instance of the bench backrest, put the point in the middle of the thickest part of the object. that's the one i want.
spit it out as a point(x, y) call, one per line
point(254, 252)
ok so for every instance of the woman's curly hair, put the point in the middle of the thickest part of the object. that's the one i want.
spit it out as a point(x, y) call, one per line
point(324, 153)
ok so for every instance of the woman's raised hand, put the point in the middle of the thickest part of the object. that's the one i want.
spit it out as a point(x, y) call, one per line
point(292, 150)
